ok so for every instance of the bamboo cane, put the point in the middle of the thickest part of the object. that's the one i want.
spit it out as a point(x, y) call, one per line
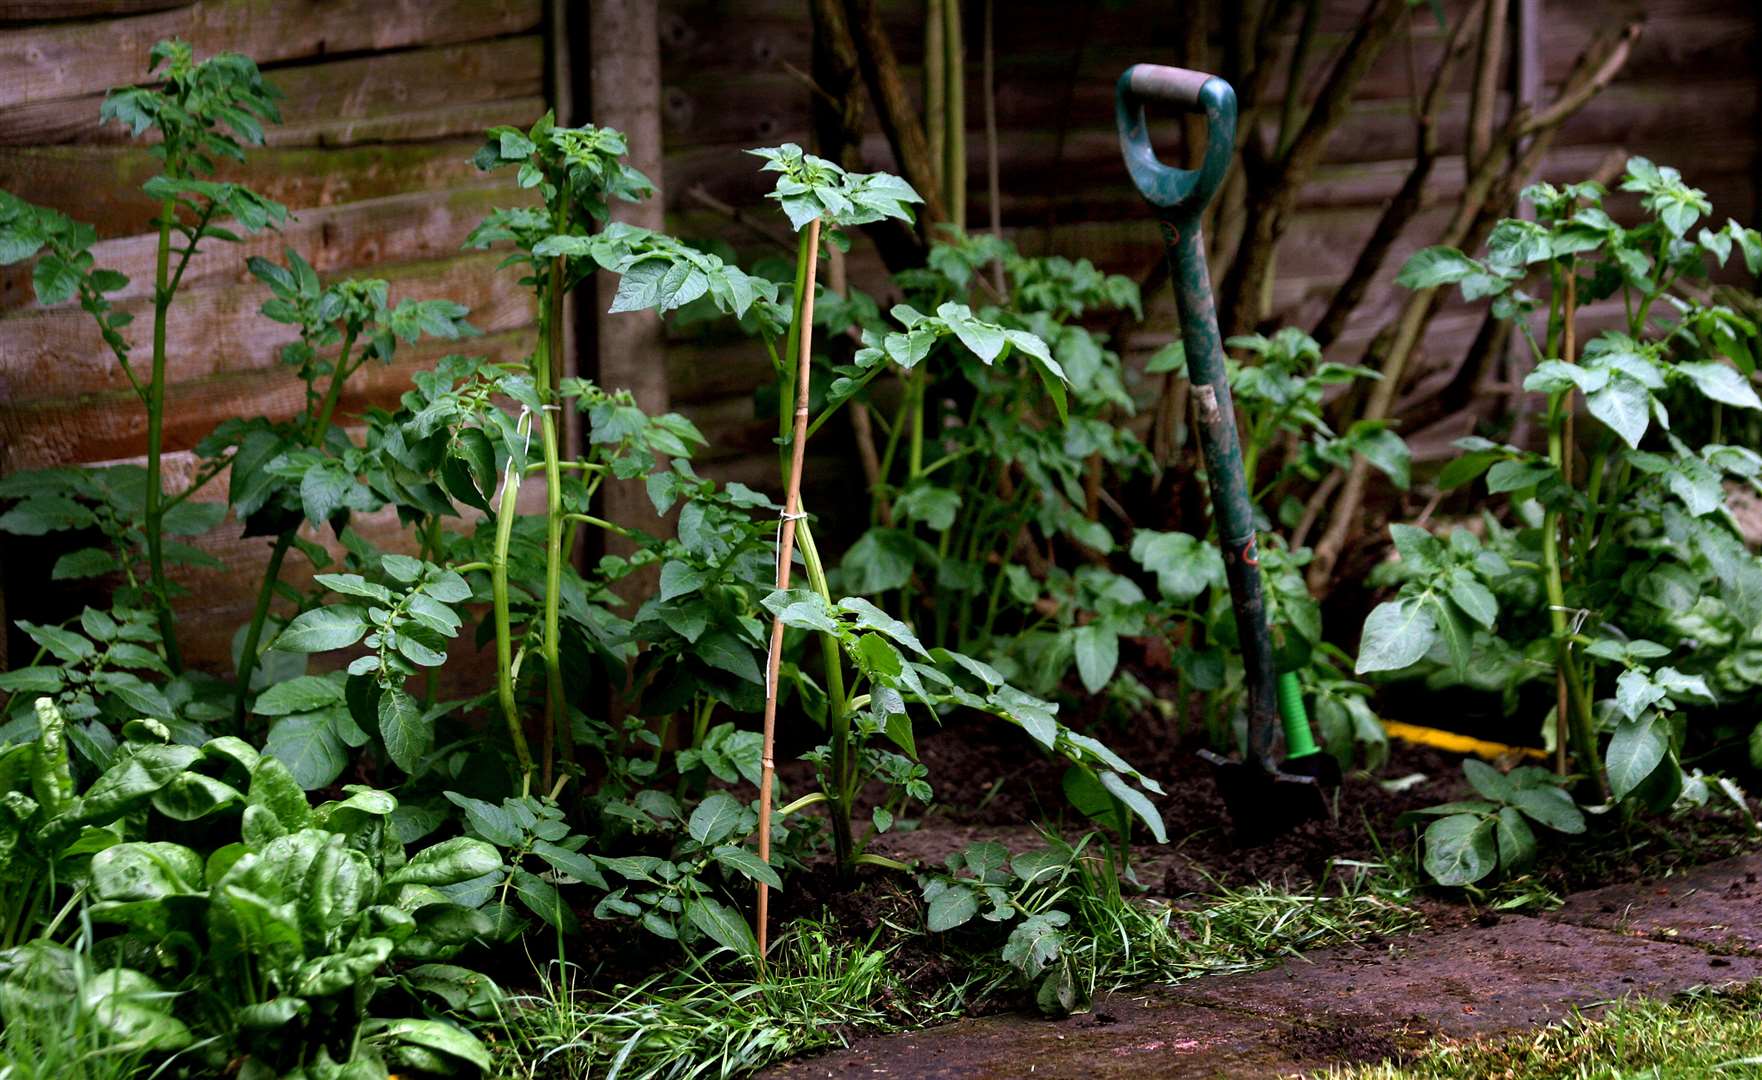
point(785, 555)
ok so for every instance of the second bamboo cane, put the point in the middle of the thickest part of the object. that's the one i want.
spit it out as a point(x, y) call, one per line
point(785, 555)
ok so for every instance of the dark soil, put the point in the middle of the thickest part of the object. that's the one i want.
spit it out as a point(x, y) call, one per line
point(988, 777)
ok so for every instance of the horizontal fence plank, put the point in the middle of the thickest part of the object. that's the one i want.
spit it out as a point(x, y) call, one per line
point(398, 96)
point(41, 63)
point(218, 330)
point(358, 237)
point(55, 10)
point(105, 425)
point(101, 184)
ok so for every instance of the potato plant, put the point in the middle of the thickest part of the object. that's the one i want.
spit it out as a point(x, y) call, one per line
point(1623, 585)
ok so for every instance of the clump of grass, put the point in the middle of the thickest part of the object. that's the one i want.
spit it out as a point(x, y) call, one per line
point(817, 990)
point(1117, 941)
point(821, 988)
point(1700, 1034)
point(47, 1035)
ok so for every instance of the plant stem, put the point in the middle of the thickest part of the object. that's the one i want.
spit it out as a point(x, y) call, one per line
point(1583, 724)
point(544, 375)
point(153, 517)
point(838, 710)
point(272, 572)
point(506, 512)
point(259, 615)
point(801, 334)
point(332, 394)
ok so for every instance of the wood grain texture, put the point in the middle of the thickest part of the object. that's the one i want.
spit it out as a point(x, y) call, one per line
point(421, 93)
point(41, 63)
point(101, 184)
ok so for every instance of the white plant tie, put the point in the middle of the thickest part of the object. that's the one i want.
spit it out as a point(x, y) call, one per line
point(776, 641)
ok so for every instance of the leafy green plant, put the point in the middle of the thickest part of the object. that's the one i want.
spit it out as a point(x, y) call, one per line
point(62, 1017)
point(885, 651)
point(1004, 423)
point(278, 929)
point(1471, 839)
point(306, 468)
point(201, 112)
point(1620, 547)
point(1022, 892)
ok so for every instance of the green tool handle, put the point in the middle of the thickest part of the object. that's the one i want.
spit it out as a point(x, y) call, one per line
point(1179, 197)
point(1299, 740)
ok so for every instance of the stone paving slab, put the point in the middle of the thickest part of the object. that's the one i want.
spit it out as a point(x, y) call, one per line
point(1521, 972)
point(1125, 1037)
point(1358, 1003)
point(1717, 906)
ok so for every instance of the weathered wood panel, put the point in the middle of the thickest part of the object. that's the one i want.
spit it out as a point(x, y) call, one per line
point(101, 184)
point(384, 105)
point(42, 63)
point(416, 94)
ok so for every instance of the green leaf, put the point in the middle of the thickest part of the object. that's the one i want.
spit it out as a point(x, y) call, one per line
point(1184, 565)
point(133, 780)
point(273, 787)
point(308, 744)
point(803, 609)
point(439, 1036)
point(1722, 383)
point(715, 819)
point(1456, 638)
point(32, 680)
point(573, 863)
point(1098, 654)
point(448, 863)
point(322, 629)
point(408, 735)
point(85, 563)
point(1472, 598)
point(952, 907)
point(63, 644)
point(722, 649)
point(723, 925)
point(1514, 475)
point(681, 579)
point(1397, 634)
point(1137, 802)
point(1635, 750)
point(1635, 692)
point(880, 560)
point(1487, 780)
point(1625, 406)
point(1435, 266)
point(935, 506)
point(1460, 849)
point(191, 796)
point(1517, 844)
point(145, 871)
point(747, 864)
point(1551, 806)
point(305, 693)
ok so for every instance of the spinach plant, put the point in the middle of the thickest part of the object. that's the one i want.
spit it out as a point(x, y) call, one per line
point(275, 920)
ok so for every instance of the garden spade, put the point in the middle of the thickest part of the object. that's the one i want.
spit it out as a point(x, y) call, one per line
point(1263, 796)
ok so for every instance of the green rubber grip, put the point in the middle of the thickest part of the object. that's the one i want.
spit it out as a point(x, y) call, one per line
point(1299, 741)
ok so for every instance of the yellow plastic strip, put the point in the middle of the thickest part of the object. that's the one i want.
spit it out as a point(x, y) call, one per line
point(1457, 744)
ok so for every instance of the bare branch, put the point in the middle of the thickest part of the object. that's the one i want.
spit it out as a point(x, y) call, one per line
point(899, 120)
point(1410, 197)
point(1484, 99)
